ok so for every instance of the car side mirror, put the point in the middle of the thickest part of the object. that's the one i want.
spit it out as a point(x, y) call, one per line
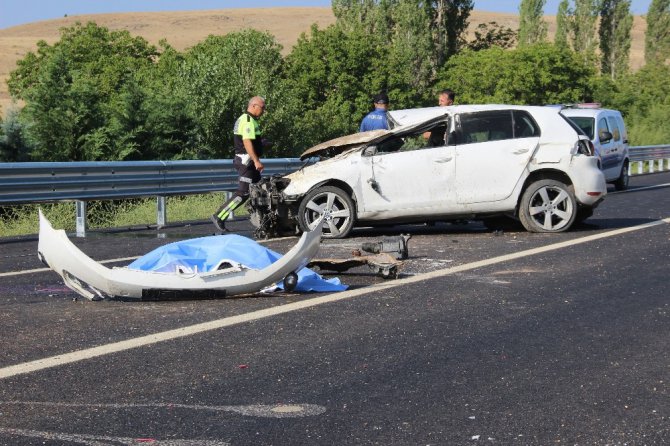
point(605, 136)
point(370, 151)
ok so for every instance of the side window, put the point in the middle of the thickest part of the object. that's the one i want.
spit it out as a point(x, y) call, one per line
point(485, 126)
point(614, 128)
point(524, 125)
point(602, 126)
point(433, 136)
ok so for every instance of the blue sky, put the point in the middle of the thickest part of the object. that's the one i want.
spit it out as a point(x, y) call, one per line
point(16, 12)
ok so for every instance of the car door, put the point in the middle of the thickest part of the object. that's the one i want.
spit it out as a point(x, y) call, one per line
point(407, 182)
point(492, 152)
point(607, 153)
point(617, 145)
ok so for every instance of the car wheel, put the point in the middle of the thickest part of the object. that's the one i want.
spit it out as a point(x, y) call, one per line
point(621, 183)
point(332, 202)
point(548, 206)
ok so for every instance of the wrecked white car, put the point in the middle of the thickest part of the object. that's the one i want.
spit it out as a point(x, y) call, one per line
point(226, 278)
point(474, 162)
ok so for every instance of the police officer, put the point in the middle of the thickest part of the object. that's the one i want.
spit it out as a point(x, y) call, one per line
point(377, 119)
point(248, 150)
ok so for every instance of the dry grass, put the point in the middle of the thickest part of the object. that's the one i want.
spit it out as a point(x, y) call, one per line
point(186, 28)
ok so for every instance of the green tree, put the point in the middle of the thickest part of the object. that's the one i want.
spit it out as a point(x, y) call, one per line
point(657, 38)
point(68, 86)
point(449, 24)
point(13, 145)
point(583, 26)
point(219, 76)
point(371, 16)
point(446, 20)
point(532, 28)
point(330, 77)
point(616, 23)
point(562, 24)
point(535, 74)
point(644, 99)
point(410, 66)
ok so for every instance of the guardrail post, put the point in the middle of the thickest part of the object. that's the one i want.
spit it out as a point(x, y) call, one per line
point(81, 218)
point(161, 212)
point(640, 167)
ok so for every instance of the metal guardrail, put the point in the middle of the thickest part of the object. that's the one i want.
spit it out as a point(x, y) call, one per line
point(653, 156)
point(26, 183)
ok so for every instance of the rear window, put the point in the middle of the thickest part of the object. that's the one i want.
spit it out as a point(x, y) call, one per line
point(585, 123)
point(497, 125)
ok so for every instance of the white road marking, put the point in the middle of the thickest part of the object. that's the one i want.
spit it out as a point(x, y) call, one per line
point(253, 410)
point(68, 358)
point(636, 189)
point(99, 440)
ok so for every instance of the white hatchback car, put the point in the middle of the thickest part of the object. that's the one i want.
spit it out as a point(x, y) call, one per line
point(607, 131)
point(439, 164)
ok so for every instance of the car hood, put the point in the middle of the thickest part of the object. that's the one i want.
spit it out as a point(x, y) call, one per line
point(344, 142)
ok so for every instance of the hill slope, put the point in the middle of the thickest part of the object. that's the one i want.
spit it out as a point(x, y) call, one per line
point(183, 29)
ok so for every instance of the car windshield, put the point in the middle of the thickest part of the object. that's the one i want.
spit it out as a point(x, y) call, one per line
point(585, 123)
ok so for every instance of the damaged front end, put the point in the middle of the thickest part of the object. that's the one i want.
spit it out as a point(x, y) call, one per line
point(269, 212)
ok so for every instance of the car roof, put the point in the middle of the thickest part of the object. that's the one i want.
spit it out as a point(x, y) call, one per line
point(415, 115)
point(407, 119)
point(590, 112)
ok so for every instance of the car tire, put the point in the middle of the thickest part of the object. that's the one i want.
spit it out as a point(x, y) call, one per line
point(337, 206)
point(548, 206)
point(621, 183)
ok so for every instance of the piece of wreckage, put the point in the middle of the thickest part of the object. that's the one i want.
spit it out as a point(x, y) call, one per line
point(386, 261)
point(226, 278)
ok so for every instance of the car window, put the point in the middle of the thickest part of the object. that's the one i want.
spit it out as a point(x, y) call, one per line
point(602, 126)
point(614, 128)
point(585, 123)
point(485, 126)
point(433, 135)
point(524, 125)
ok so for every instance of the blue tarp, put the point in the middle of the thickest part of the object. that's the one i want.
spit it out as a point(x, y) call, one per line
point(204, 253)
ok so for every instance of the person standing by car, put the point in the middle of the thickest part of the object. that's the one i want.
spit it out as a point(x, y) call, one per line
point(446, 98)
point(436, 137)
point(376, 119)
point(249, 147)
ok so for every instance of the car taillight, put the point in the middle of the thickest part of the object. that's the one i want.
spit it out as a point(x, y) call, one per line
point(585, 147)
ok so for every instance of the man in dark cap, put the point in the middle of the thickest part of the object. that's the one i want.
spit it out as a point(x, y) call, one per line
point(377, 119)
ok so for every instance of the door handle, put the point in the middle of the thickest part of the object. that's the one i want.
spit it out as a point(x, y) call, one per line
point(443, 160)
point(520, 151)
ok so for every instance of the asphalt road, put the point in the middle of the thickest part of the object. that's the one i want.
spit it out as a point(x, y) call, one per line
point(485, 338)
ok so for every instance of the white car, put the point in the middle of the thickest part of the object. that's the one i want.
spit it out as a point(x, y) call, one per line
point(480, 162)
point(607, 131)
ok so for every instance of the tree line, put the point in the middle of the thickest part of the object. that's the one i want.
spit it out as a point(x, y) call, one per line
point(98, 94)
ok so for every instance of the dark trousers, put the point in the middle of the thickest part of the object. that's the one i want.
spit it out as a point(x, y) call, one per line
point(247, 174)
